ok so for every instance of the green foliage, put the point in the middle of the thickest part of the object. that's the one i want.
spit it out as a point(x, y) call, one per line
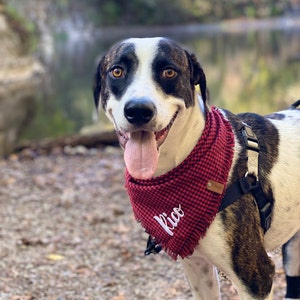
point(23, 27)
point(152, 12)
point(141, 12)
point(159, 12)
point(48, 124)
point(111, 11)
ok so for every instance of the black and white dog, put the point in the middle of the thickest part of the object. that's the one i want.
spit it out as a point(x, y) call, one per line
point(147, 89)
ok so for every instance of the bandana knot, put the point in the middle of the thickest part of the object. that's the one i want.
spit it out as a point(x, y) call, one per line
point(178, 207)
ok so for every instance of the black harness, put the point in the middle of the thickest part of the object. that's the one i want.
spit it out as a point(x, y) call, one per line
point(245, 185)
point(250, 182)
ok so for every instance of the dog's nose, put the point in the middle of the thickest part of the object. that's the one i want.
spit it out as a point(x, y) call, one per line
point(139, 111)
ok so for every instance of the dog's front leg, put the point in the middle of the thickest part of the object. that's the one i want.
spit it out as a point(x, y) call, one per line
point(202, 277)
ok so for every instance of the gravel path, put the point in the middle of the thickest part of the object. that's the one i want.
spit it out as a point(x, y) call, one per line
point(67, 232)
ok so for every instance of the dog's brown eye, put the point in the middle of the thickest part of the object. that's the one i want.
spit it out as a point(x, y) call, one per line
point(169, 73)
point(117, 72)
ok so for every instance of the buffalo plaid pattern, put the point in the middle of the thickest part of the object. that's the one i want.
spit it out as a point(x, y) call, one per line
point(177, 208)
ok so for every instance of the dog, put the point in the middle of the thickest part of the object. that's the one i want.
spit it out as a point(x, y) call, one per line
point(147, 88)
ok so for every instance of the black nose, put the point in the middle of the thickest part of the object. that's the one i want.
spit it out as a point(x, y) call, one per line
point(139, 111)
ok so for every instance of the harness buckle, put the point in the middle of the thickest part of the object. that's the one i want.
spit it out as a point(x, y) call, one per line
point(264, 206)
point(152, 246)
point(250, 138)
point(245, 185)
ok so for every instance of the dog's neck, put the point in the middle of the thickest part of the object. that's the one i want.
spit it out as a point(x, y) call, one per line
point(182, 138)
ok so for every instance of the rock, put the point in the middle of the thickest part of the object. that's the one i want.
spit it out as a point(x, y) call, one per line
point(20, 75)
point(77, 150)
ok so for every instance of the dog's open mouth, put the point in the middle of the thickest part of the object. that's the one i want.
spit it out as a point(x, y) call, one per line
point(141, 150)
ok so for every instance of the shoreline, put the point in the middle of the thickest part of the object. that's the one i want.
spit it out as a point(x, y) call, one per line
point(227, 26)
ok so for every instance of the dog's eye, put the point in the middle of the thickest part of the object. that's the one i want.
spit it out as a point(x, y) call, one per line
point(169, 73)
point(117, 72)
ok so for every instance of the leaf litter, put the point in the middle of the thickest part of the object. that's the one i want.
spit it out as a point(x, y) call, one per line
point(67, 232)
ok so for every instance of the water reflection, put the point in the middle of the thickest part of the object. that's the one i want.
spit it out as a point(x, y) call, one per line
point(257, 71)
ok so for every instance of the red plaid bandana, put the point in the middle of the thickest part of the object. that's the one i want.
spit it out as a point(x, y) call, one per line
point(178, 207)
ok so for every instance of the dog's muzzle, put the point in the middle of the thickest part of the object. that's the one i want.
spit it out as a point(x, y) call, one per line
point(141, 143)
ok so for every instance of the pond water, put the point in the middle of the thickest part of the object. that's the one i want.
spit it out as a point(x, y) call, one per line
point(256, 69)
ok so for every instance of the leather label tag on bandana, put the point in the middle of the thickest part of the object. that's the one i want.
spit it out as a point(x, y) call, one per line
point(215, 186)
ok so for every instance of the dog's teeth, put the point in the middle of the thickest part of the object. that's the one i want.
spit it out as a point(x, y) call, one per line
point(159, 134)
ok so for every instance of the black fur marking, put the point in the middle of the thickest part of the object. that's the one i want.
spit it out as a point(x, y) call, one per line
point(121, 55)
point(268, 138)
point(97, 86)
point(293, 287)
point(252, 267)
point(276, 116)
point(189, 72)
point(169, 55)
point(126, 59)
point(295, 105)
point(242, 218)
point(197, 75)
point(293, 282)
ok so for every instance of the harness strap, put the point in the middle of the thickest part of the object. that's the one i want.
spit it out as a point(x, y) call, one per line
point(264, 207)
point(239, 188)
point(244, 186)
point(252, 147)
point(250, 183)
point(152, 247)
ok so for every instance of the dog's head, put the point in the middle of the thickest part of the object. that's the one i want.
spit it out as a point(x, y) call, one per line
point(143, 85)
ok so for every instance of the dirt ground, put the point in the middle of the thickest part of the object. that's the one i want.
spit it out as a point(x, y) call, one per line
point(67, 232)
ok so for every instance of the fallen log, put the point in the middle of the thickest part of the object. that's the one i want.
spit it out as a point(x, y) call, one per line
point(88, 140)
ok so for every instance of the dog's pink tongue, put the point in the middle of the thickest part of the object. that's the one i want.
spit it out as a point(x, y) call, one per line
point(141, 155)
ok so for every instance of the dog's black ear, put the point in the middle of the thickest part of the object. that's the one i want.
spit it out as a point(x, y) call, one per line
point(97, 85)
point(197, 75)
